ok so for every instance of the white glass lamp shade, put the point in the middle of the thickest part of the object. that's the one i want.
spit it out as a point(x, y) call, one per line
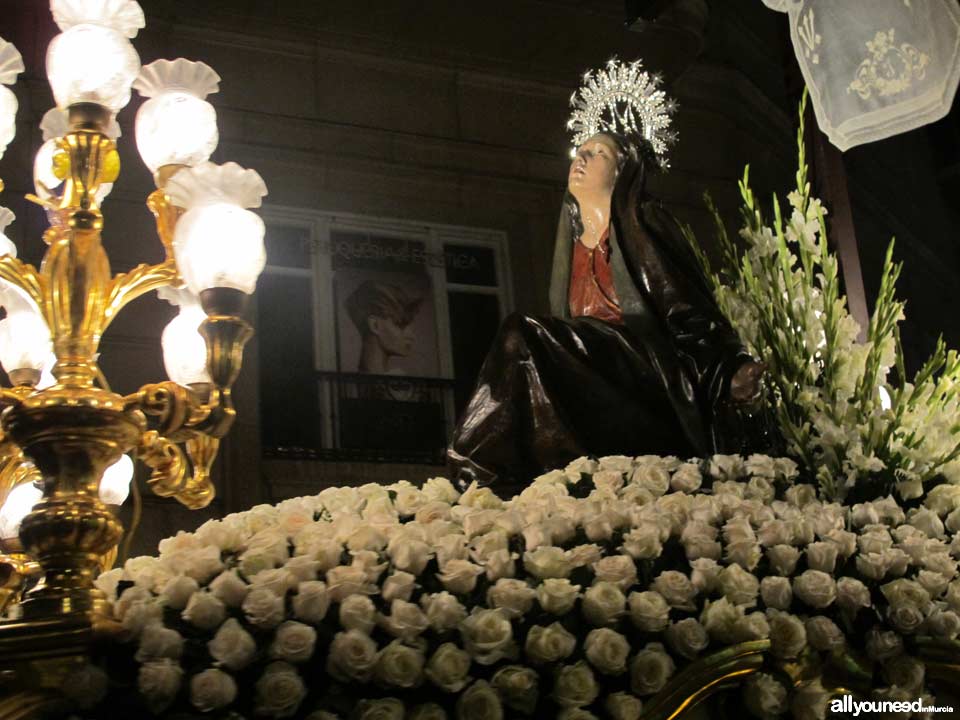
point(24, 337)
point(6, 244)
point(92, 64)
point(18, 504)
point(176, 128)
point(184, 349)
point(115, 483)
point(8, 117)
point(220, 245)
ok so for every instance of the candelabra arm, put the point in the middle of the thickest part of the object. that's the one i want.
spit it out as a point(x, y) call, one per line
point(25, 278)
point(176, 407)
point(167, 461)
point(128, 286)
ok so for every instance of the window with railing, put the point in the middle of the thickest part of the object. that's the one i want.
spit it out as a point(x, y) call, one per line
point(372, 332)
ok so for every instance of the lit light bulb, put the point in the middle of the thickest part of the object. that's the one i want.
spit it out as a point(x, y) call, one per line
point(218, 243)
point(11, 65)
point(19, 503)
point(184, 349)
point(24, 335)
point(92, 60)
point(176, 126)
point(115, 483)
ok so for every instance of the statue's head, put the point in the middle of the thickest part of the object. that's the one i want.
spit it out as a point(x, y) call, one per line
point(383, 313)
point(594, 169)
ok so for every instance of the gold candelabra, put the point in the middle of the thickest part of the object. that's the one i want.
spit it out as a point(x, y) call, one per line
point(62, 436)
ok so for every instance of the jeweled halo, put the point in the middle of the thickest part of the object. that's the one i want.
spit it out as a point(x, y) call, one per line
point(623, 98)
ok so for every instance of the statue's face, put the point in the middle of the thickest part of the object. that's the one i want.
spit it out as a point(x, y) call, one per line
point(593, 171)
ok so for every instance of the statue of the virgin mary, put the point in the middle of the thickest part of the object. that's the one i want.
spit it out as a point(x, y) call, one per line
point(636, 358)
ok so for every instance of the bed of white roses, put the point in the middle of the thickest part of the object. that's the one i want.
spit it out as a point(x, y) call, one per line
point(579, 598)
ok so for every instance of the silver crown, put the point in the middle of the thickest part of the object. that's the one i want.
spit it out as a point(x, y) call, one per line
point(625, 99)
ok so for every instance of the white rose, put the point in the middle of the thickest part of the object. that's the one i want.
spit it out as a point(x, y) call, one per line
point(607, 650)
point(427, 711)
point(597, 527)
point(719, 617)
point(906, 618)
point(623, 706)
point(686, 478)
point(810, 701)
point(204, 611)
point(852, 594)
point(487, 636)
point(654, 478)
point(263, 608)
point(617, 569)
point(311, 601)
point(232, 646)
point(557, 596)
point(224, 534)
point(688, 638)
point(783, 559)
point(548, 644)
point(146, 572)
point(452, 546)
point(643, 542)
point(500, 564)
point(877, 542)
point(449, 668)
point(776, 592)
point(157, 642)
point(346, 580)
point(380, 709)
point(548, 562)
point(432, 511)
point(822, 556)
point(845, 541)
point(459, 576)
point(518, 686)
point(905, 672)
point(933, 582)
point(650, 670)
point(479, 702)
point(943, 623)
point(399, 665)
point(905, 592)
point(352, 656)
point(583, 555)
point(609, 480)
point(603, 603)
point(159, 682)
point(107, 583)
point(739, 586)
point(649, 611)
point(399, 585)
point(229, 588)
point(440, 489)
point(357, 612)
point(411, 556)
point(753, 626)
point(801, 495)
point(764, 695)
point(788, 636)
point(745, 554)
point(327, 551)
point(212, 689)
point(705, 575)
point(293, 642)
point(444, 612)
point(575, 686)
point(815, 588)
point(926, 521)
point(406, 620)
point(177, 591)
point(303, 568)
point(277, 580)
point(823, 634)
point(140, 615)
point(279, 691)
point(883, 644)
point(676, 589)
point(514, 597)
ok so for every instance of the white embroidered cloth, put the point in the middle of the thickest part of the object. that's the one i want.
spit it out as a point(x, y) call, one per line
point(877, 68)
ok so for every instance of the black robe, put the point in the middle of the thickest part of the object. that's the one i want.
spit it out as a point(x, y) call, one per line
point(555, 388)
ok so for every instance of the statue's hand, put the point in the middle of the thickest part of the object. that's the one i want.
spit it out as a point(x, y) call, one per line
point(745, 383)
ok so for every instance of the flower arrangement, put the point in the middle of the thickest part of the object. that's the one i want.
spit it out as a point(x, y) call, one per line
point(582, 597)
point(846, 407)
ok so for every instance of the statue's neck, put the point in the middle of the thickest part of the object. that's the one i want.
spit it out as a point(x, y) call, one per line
point(372, 357)
point(595, 216)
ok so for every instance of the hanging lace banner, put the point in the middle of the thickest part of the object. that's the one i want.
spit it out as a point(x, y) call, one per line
point(875, 69)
